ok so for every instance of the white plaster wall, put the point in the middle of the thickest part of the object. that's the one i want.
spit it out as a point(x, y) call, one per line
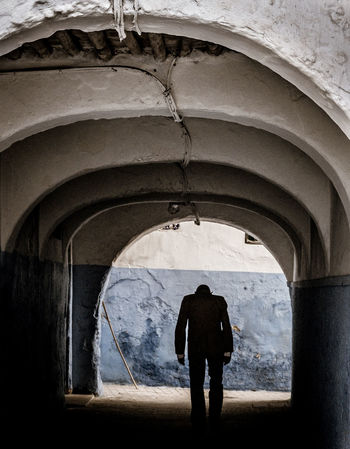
point(210, 246)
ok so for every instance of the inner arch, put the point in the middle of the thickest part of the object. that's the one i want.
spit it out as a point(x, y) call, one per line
point(145, 287)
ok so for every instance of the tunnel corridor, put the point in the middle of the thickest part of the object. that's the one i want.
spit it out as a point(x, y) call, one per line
point(120, 117)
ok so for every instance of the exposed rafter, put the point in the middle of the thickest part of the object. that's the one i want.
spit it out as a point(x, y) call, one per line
point(41, 47)
point(100, 43)
point(132, 43)
point(67, 42)
point(103, 46)
point(158, 46)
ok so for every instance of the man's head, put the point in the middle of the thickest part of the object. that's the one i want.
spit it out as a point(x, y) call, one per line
point(203, 290)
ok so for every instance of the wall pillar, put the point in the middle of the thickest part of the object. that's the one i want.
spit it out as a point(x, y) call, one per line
point(87, 285)
point(33, 300)
point(321, 361)
point(33, 303)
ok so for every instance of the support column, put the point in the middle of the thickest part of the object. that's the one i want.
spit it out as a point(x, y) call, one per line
point(33, 298)
point(87, 285)
point(321, 361)
point(34, 336)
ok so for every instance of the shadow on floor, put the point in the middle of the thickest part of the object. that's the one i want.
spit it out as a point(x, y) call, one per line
point(111, 422)
point(157, 424)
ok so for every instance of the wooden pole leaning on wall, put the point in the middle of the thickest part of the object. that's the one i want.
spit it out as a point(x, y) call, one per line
point(117, 344)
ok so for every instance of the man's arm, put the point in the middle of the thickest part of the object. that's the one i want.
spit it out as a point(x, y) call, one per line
point(180, 330)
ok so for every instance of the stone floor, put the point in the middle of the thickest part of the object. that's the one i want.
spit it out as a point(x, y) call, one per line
point(142, 393)
point(160, 415)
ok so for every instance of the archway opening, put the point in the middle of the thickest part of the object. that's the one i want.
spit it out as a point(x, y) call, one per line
point(143, 293)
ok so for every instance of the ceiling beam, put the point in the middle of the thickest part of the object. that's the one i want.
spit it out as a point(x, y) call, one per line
point(67, 42)
point(132, 43)
point(158, 47)
point(100, 43)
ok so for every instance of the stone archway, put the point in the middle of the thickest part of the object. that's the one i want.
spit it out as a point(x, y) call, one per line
point(149, 278)
point(295, 144)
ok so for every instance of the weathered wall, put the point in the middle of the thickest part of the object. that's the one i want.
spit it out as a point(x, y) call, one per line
point(143, 304)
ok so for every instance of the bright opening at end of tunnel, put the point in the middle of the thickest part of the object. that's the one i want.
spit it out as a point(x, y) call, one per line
point(147, 283)
point(210, 246)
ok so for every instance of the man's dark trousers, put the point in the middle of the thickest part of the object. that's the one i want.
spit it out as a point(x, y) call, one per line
point(197, 376)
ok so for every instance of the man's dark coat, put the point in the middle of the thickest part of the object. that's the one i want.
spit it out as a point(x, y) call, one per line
point(209, 329)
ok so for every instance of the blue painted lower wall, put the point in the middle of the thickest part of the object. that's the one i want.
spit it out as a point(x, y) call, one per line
point(143, 305)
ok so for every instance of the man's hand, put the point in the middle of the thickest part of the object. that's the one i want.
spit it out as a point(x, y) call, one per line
point(181, 359)
point(227, 357)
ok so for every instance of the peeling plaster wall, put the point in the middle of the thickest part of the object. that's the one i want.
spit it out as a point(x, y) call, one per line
point(143, 301)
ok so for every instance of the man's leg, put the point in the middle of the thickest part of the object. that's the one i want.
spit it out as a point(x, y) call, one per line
point(197, 375)
point(215, 365)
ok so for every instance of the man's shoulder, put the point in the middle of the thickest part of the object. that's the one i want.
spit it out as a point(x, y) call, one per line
point(220, 299)
point(188, 297)
point(192, 296)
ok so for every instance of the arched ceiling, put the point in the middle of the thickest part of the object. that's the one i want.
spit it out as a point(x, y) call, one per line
point(284, 122)
point(127, 223)
point(55, 157)
point(244, 96)
point(84, 198)
point(271, 33)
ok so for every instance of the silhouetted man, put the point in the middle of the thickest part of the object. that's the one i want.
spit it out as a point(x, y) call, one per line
point(209, 338)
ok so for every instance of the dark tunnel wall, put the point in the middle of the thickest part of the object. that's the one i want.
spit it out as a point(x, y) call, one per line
point(34, 301)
